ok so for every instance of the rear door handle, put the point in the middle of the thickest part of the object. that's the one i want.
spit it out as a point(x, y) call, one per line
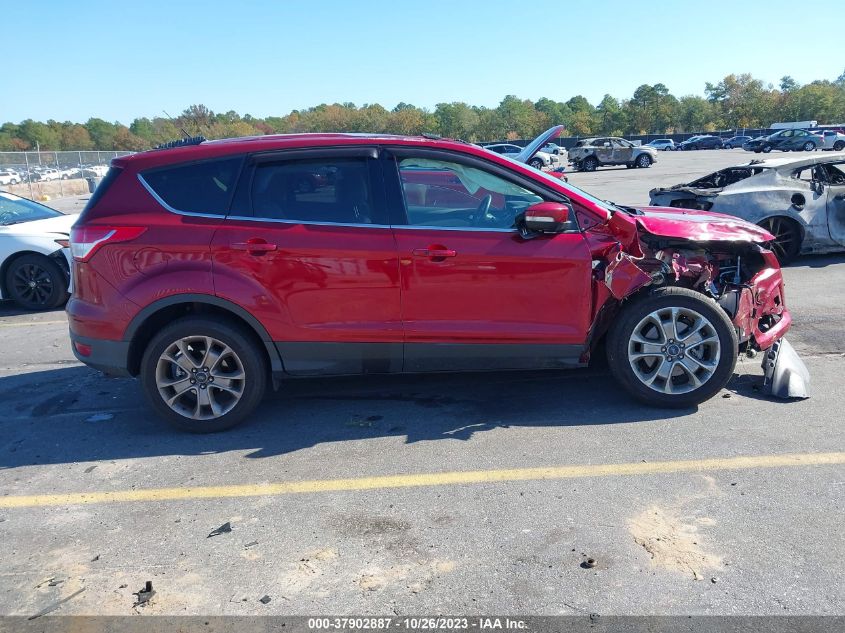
point(435, 253)
point(255, 246)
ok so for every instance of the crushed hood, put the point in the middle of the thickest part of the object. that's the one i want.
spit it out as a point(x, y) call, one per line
point(700, 226)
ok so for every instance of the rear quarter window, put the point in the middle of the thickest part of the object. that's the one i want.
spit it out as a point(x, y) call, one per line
point(204, 187)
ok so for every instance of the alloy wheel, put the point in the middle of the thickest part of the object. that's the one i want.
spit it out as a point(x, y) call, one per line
point(674, 350)
point(787, 240)
point(33, 284)
point(200, 377)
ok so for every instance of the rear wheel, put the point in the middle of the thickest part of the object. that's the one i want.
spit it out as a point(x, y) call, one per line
point(36, 282)
point(728, 146)
point(203, 375)
point(809, 146)
point(590, 163)
point(536, 163)
point(838, 146)
point(644, 161)
point(673, 347)
point(787, 242)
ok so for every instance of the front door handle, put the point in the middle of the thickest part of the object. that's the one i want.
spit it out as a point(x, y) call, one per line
point(255, 246)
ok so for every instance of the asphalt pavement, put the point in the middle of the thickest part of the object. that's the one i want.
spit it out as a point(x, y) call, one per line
point(473, 493)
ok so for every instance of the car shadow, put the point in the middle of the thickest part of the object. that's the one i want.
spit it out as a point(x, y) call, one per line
point(10, 309)
point(75, 414)
point(817, 261)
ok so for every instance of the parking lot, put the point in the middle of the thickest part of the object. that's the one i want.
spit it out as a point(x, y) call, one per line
point(474, 493)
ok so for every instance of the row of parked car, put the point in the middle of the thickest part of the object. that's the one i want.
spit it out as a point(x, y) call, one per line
point(39, 173)
point(785, 140)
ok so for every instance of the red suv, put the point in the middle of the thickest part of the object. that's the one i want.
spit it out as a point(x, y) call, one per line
point(211, 270)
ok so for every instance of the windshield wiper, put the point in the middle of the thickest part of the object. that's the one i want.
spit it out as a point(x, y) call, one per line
point(11, 223)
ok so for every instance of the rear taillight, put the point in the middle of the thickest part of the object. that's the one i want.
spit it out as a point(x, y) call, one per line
point(86, 240)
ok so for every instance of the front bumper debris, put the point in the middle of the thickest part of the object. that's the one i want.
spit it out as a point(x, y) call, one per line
point(784, 373)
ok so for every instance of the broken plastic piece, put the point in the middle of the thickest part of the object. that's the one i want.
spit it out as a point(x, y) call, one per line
point(264, 600)
point(784, 373)
point(223, 529)
point(145, 594)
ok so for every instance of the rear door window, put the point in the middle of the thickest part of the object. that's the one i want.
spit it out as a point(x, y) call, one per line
point(204, 187)
point(318, 190)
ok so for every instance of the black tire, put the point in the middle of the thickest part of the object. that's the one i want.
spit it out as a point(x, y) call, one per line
point(787, 243)
point(644, 161)
point(590, 163)
point(630, 165)
point(727, 146)
point(247, 352)
point(50, 289)
point(620, 334)
point(838, 146)
point(766, 148)
point(536, 163)
point(809, 146)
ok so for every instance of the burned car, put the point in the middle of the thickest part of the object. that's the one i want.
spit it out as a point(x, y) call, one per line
point(591, 153)
point(801, 202)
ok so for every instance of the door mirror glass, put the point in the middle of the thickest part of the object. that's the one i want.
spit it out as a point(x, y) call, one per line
point(546, 217)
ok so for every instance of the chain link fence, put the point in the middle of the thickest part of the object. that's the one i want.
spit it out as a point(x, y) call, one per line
point(49, 175)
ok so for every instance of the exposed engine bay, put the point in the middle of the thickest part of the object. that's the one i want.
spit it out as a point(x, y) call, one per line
point(742, 276)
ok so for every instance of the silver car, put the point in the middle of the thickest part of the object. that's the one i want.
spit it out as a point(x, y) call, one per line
point(800, 201)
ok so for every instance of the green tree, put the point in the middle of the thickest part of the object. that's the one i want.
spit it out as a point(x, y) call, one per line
point(610, 119)
point(455, 120)
point(102, 133)
point(41, 135)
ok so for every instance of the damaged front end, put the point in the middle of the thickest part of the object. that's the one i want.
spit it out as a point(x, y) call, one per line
point(726, 263)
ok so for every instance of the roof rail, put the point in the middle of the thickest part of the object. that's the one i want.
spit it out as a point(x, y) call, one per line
point(182, 142)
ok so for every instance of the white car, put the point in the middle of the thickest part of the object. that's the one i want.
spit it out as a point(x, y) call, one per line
point(539, 160)
point(50, 174)
point(34, 253)
point(9, 177)
point(832, 140)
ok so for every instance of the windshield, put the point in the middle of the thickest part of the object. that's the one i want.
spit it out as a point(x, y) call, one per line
point(14, 210)
point(557, 183)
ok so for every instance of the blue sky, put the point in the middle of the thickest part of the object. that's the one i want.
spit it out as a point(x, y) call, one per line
point(119, 60)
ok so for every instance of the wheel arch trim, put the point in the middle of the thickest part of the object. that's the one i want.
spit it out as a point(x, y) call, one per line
point(210, 300)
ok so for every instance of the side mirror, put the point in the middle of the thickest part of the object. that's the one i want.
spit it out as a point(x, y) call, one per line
point(546, 217)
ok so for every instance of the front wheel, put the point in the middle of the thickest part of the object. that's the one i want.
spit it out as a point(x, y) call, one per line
point(766, 149)
point(838, 146)
point(36, 282)
point(203, 375)
point(644, 161)
point(809, 146)
point(536, 163)
point(672, 347)
point(590, 163)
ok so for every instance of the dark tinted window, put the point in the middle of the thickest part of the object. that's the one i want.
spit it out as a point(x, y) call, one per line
point(204, 187)
point(101, 189)
point(315, 190)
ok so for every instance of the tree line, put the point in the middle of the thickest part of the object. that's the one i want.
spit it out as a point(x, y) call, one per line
point(737, 101)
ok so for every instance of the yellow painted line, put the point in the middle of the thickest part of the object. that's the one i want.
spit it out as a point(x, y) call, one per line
point(424, 479)
point(31, 323)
